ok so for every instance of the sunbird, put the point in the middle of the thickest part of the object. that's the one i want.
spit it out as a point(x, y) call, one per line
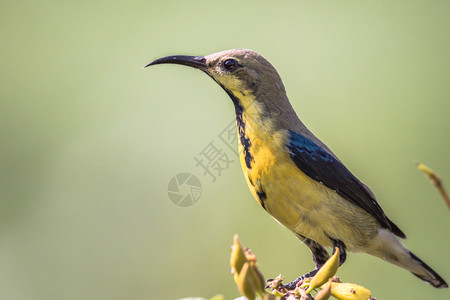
point(293, 175)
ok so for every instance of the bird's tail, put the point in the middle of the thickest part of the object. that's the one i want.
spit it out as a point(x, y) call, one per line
point(389, 248)
point(427, 274)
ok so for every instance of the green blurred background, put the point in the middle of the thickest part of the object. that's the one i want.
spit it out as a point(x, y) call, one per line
point(90, 140)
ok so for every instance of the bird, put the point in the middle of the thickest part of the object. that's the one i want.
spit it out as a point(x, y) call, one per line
point(294, 176)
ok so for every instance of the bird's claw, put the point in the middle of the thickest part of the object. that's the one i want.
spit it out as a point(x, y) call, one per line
point(292, 285)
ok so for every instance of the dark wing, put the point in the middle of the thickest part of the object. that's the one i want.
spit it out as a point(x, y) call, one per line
point(321, 166)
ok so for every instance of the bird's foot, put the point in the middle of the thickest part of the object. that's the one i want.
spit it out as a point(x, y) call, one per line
point(292, 285)
point(319, 255)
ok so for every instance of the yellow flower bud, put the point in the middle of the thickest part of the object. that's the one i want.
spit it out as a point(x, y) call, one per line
point(250, 281)
point(326, 272)
point(237, 258)
point(325, 292)
point(259, 278)
point(245, 282)
point(349, 291)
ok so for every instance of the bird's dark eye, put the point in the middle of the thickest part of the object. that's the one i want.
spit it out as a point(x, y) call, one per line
point(230, 64)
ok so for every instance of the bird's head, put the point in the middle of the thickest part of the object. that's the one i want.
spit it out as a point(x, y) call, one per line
point(244, 74)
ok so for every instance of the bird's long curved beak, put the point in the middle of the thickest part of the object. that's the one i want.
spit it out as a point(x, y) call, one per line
point(198, 62)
